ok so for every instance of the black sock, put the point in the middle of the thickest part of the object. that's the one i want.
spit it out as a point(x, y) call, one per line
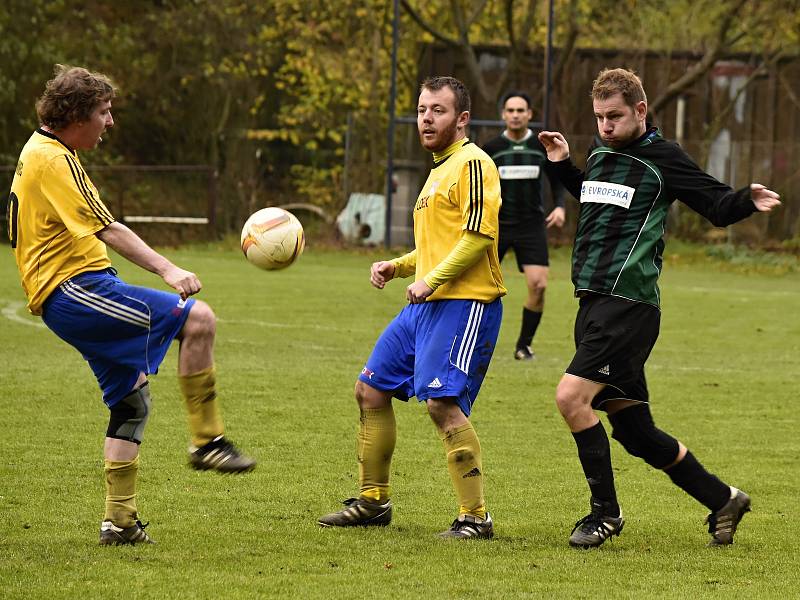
point(595, 454)
point(530, 322)
point(692, 478)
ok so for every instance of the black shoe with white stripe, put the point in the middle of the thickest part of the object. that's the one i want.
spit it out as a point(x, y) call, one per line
point(469, 527)
point(722, 524)
point(359, 512)
point(111, 535)
point(596, 527)
point(220, 455)
point(524, 353)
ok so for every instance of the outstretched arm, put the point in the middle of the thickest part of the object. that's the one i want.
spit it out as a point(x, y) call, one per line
point(704, 194)
point(134, 248)
point(764, 199)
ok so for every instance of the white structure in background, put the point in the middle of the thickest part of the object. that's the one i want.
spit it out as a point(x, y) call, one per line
point(363, 220)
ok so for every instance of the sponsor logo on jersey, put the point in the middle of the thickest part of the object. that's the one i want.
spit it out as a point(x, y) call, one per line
point(519, 171)
point(422, 201)
point(603, 192)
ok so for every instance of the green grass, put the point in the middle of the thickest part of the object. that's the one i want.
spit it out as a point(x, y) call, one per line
point(723, 378)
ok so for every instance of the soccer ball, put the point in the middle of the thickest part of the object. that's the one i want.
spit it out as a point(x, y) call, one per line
point(272, 238)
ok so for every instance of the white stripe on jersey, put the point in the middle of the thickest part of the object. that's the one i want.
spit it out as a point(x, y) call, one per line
point(106, 306)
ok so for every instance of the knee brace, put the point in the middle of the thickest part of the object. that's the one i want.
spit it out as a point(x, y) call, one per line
point(633, 427)
point(129, 416)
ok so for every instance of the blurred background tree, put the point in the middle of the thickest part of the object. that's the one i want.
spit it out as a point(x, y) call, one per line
point(273, 94)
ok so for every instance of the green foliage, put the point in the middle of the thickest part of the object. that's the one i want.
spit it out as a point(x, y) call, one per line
point(754, 261)
point(290, 344)
point(262, 91)
point(735, 259)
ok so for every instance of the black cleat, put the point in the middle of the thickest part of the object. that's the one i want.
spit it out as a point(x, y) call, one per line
point(359, 512)
point(220, 455)
point(593, 529)
point(469, 527)
point(722, 524)
point(111, 535)
point(524, 353)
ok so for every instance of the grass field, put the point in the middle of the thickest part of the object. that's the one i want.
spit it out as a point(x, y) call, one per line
point(723, 378)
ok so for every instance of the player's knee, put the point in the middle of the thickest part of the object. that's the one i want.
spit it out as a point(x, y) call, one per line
point(537, 287)
point(438, 414)
point(634, 429)
point(568, 400)
point(360, 392)
point(201, 321)
point(368, 397)
point(445, 414)
point(129, 416)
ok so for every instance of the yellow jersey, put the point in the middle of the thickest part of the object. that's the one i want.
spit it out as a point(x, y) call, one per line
point(54, 211)
point(462, 193)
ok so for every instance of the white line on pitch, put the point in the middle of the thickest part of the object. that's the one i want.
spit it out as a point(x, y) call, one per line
point(10, 311)
point(287, 325)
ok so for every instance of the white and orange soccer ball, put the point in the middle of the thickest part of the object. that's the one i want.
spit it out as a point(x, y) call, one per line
point(272, 238)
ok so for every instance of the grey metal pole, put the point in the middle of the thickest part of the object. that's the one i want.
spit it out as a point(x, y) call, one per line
point(347, 138)
point(387, 241)
point(548, 65)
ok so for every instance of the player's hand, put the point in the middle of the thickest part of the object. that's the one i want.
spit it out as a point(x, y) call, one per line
point(381, 272)
point(555, 218)
point(418, 291)
point(764, 199)
point(556, 146)
point(184, 282)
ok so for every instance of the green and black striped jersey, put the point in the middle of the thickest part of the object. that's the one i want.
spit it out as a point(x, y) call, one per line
point(521, 165)
point(624, 198)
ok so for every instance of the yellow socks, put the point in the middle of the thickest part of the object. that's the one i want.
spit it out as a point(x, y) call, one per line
point(121, 491)
point(200, 396)
point(377, 435)
point(464, 464)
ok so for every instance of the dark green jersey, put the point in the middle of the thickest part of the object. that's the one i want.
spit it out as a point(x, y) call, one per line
point(521, 165)
point(624, 198)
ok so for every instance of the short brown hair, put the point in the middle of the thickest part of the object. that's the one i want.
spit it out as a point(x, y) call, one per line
point(618, 81)
point(71, 96)
point(460, 91)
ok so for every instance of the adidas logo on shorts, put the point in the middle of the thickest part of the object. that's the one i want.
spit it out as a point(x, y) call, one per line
point(605, 370)
point(435, 384)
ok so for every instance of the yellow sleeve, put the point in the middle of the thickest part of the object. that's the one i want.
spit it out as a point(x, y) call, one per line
point(466, 253)
point(73, 196)
point(406, 265)
point(478, 191)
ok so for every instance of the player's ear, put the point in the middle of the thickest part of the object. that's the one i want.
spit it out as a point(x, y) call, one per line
point(463, 119)
point(641, 109)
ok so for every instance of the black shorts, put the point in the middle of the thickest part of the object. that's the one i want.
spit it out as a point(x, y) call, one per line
point(529, 240)
point(613, 338)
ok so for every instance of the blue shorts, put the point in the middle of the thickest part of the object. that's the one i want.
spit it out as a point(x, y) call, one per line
point(436, 349)
point(121, 330)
